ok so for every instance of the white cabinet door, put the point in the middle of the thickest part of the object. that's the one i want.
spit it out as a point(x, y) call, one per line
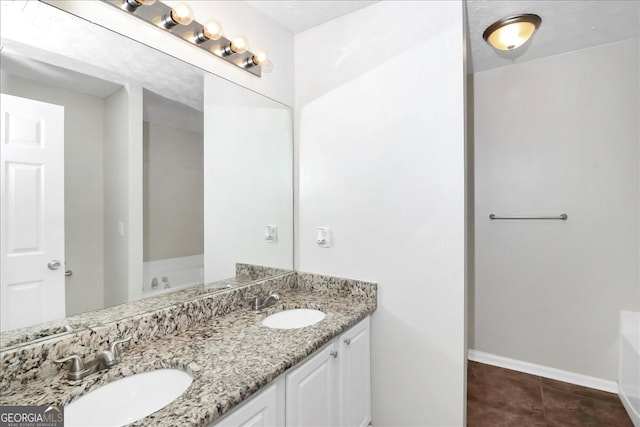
point(259, 411)
point(32, 212)
point(355, 379)
point(331, 388)
point(311, 398)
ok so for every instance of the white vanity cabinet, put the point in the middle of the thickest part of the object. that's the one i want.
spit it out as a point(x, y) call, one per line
point(312, 390)
point(265, 409)
point(331, 388)
point(354, 376)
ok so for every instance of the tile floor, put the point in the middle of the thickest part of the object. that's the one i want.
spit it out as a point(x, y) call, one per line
point(498, 397)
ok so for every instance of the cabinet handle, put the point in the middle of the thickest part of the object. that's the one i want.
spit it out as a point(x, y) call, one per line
point(334, 354)
point(347, 341)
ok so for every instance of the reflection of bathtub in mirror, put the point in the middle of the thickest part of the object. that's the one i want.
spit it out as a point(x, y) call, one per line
point(172, 274)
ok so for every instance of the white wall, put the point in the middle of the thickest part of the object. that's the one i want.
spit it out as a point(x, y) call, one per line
point(558, 135)
point(380, 140)
point(83, 115)
point(248, 179)
point(236, 17)
point(173, 192)
point(123, 196)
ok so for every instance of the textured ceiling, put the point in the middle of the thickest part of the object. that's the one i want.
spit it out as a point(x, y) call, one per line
point(302, 15)
point(33, 29)
point(97, 63)
point(566, 26)
point(32, 69)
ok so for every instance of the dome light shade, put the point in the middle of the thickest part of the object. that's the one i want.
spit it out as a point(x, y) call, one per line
point(512, 32)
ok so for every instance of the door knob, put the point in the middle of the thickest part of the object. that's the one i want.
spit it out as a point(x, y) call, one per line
point(54, 264)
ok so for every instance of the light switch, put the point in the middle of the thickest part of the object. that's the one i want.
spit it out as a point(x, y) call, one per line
point(323, 237)
point(271, 233)
point(121, 229)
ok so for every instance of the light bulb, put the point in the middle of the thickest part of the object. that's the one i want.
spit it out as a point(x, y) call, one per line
point(146, 2)
point(182, 14)
point(212, 30)
point(267, 68)
point(239, 45)
point(261, 57)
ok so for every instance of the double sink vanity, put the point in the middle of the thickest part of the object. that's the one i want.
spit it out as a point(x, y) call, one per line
point(214, 360)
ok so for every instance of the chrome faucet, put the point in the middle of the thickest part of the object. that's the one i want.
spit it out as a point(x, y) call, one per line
point(103, 360)
point(259, 306)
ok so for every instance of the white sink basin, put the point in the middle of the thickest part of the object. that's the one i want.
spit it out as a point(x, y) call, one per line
point(127, 400)
point(292, 319)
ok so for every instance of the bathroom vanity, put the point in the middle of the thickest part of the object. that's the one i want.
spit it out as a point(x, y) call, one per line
point(241, 371)
point(331, 387)
point(239, 367)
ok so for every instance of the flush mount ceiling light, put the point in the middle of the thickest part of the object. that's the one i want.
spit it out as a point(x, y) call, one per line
point(512, 32)
point(180, 22)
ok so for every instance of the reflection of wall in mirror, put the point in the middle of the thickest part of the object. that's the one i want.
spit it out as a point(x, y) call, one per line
point(173, 192)
point(83, 187)
point(173, 208)
point(248, 148)
point(123, 196)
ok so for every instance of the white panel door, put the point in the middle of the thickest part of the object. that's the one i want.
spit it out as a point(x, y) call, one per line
point(32, 208)
point(311, 396)
point(355, 376)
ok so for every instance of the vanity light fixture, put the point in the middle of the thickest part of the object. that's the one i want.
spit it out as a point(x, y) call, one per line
point(209, 37)
point(512, 32)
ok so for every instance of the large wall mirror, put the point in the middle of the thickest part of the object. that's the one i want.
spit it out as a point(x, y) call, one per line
point(170, 178)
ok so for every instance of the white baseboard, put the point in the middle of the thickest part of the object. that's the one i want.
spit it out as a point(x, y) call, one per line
point(543, 371)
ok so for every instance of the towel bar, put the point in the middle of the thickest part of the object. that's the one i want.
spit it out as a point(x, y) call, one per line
point(562, 217)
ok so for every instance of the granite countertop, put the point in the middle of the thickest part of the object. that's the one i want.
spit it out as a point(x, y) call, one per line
point(229, 357)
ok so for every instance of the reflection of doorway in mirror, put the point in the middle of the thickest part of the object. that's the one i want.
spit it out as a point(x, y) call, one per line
point(88, 172)
point(32, 171)
point(173, 182)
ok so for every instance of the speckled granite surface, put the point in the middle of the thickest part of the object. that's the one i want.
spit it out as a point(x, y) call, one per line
point(96, 318)
point(245, 274)
point(217, 338)
point(34, 361)
point(257, 272)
